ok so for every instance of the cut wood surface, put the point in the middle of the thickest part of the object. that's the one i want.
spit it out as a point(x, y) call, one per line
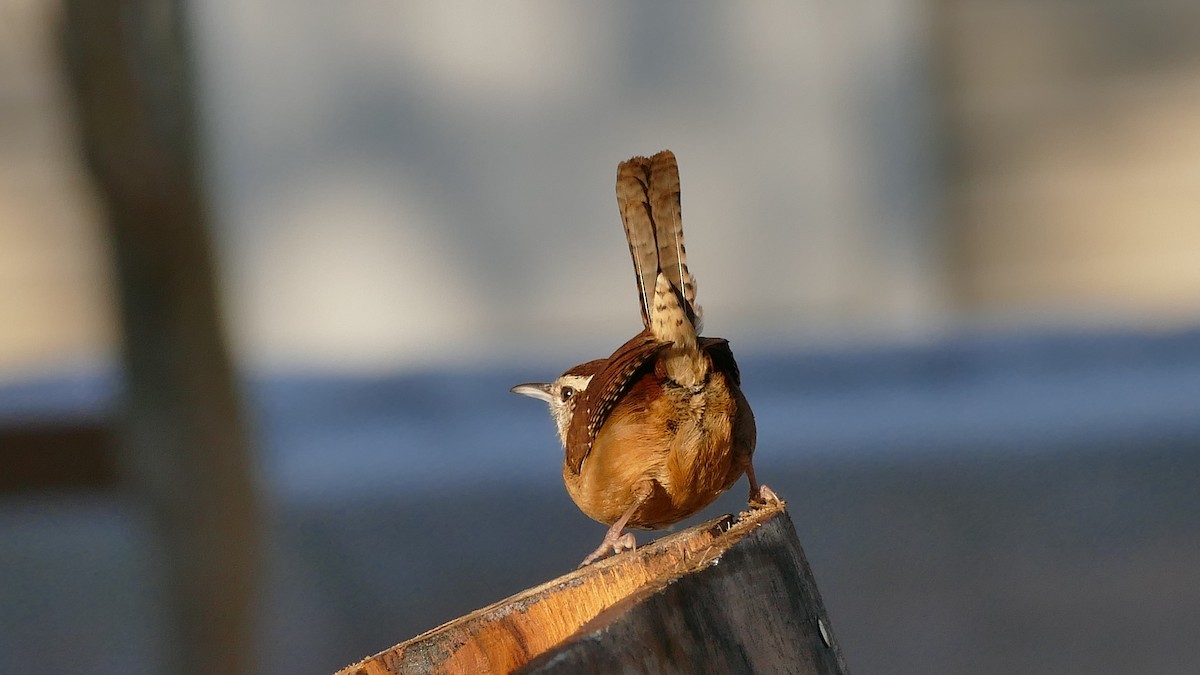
point(726, 596)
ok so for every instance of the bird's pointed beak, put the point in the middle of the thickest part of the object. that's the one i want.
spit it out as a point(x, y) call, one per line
point(538, 390)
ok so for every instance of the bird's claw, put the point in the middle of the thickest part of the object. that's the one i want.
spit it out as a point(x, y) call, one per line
point(763, 498)
point(617, 544)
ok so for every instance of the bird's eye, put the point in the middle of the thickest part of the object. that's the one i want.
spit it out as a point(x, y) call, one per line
point(567, 393)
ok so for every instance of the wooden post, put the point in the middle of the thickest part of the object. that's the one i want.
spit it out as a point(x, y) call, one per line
point(182, 444)
point(724, 597)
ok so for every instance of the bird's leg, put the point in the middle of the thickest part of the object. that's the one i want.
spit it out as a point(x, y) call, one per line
point(614, 539)
point(760, 495)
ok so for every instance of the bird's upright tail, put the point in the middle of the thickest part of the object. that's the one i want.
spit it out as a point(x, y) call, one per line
point(648, 198)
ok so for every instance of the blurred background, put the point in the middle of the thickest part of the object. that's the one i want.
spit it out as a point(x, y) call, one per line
point(267, 270)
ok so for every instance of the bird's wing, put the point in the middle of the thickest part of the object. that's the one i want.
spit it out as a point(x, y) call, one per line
point(722, 357)
point(603, 392)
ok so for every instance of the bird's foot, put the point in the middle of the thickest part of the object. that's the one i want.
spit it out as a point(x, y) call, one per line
point(614, 542)
point(764, 497)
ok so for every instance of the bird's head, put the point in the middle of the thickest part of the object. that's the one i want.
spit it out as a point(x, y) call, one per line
point(562, 394)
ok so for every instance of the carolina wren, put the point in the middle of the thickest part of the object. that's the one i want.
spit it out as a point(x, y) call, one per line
point(658, 430)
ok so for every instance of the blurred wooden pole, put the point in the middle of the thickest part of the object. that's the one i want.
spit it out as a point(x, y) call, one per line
point(721, 597)
point(182, 446)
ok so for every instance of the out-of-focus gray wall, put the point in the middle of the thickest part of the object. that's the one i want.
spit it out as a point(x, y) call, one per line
point(406, 184)
point(435, 182)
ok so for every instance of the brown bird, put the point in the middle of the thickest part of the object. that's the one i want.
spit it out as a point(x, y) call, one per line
point(660, 429)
